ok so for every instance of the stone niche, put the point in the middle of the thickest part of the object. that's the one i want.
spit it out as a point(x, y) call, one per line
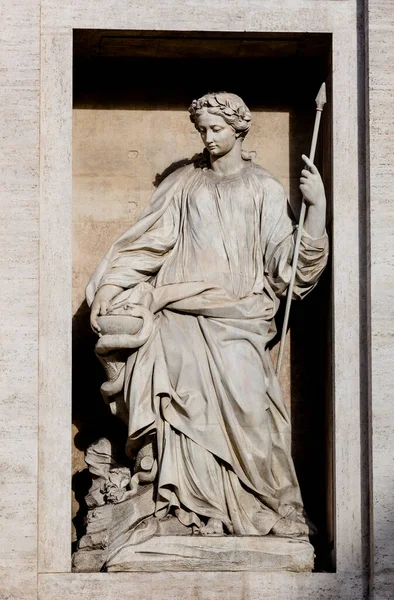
point(130, 123)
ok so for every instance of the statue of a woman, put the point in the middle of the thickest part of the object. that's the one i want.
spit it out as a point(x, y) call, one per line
point(205, 266)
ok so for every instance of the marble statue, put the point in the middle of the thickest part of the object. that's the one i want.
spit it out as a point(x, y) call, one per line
point(184, 304)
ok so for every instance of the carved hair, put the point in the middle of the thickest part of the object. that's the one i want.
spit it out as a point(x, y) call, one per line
point(229, 106)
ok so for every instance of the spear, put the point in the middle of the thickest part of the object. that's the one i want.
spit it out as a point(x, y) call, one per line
point(321, 99)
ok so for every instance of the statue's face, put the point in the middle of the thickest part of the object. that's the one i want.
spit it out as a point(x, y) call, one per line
point(218, 136)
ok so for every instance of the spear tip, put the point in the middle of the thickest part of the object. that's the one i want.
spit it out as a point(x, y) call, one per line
point(321, 97)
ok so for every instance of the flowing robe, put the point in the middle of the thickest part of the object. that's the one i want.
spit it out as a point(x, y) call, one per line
point(210, 258)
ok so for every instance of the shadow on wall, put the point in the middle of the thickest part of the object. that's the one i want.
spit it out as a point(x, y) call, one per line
point(91, 416)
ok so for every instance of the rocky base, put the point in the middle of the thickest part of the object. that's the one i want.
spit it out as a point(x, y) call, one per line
point(111, 527)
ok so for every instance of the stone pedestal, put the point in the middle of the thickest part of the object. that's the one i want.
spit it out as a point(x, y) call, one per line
point(225, 553)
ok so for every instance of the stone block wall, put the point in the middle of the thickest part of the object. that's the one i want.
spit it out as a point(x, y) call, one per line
point(35, 178)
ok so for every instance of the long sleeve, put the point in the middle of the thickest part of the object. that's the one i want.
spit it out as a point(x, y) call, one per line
point(278, 237)
point(143, 258)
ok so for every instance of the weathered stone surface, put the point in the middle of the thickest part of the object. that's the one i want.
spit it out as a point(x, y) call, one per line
point(196, 553)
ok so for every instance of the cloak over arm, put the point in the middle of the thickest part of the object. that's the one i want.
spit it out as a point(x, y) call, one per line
point(141, 259)
point(141, 250)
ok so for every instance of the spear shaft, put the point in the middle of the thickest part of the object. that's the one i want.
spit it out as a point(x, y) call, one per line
point(320, 102)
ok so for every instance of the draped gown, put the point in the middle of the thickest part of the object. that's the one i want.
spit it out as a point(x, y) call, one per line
point(210, 257)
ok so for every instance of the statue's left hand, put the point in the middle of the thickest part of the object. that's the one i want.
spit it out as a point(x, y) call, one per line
point(312, 187)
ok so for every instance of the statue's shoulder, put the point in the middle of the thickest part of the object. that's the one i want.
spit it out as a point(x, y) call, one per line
point(274, 195)
point(265, 176)
point(174, 173)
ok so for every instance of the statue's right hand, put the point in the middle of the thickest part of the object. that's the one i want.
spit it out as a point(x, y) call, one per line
point(100, 304)
point(99, 307)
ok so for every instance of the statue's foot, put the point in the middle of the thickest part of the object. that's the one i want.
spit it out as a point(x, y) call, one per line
point(213, 527)
point(287, 528)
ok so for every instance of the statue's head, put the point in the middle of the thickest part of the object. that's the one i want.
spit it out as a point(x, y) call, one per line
point(229, 106)
point(221, 119)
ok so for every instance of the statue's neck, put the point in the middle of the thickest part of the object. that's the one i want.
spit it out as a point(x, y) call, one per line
point(229, 163)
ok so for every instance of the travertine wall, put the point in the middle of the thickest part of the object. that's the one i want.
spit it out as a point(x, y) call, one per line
point(380, 114)
point(19, 260)
point(19, 187)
